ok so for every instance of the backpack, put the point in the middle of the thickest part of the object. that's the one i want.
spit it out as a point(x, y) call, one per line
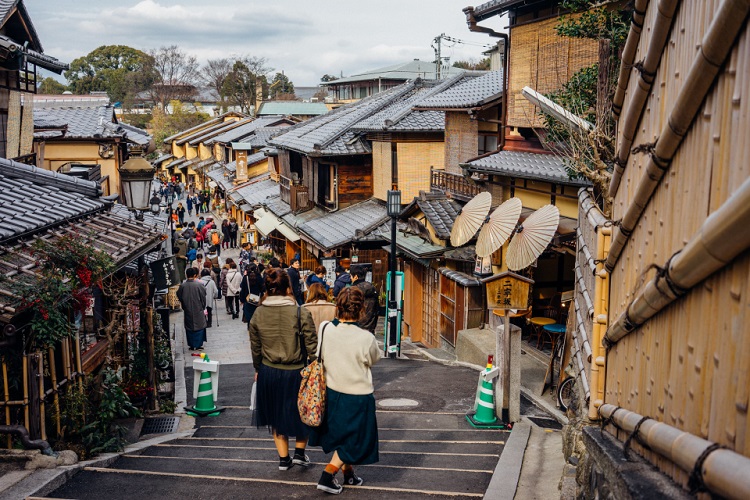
point(215, 238)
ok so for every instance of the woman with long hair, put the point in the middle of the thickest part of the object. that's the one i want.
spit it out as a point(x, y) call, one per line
point(349, 428)
point(280, 334)
point(318, 305)
point(250, 292)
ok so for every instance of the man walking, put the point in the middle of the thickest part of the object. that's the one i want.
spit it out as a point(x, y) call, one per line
point(369, 318)
point(192, 296)
point(294, 279)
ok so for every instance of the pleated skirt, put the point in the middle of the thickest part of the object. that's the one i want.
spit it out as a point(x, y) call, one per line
point(349, 427)
point(277, 402)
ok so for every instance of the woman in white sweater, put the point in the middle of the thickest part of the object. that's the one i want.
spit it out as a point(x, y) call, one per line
point(349, 429)
point(233, 280)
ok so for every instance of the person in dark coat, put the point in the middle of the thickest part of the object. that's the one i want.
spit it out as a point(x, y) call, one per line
point(369, 318)
point(343, 280)
point(318, 277)
point(192, 296)
point(294, 279)
point(252, 287)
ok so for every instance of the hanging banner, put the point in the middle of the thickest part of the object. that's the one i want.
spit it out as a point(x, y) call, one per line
point(241, 166)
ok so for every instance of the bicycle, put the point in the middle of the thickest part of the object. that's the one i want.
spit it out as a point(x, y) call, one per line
point(566, 393)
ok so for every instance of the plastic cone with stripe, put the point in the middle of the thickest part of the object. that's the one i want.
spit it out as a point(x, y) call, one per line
point(204, 403)
point(484, 404)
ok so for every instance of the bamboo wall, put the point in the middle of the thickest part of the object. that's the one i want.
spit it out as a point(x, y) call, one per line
point(544, 61)
point(689, 366)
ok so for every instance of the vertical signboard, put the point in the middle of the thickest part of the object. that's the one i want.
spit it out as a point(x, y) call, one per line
point(241, 166)
point(164, 272)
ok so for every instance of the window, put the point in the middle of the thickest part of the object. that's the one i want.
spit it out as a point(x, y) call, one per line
point(487, 143)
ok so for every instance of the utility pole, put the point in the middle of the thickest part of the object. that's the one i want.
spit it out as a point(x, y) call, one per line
point(436, 45)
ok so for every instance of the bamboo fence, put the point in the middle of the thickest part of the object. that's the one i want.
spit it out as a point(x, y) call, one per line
point(687, 365)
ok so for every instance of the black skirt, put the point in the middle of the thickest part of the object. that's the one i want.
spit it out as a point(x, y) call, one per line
point(277, 402)
point(349, 427)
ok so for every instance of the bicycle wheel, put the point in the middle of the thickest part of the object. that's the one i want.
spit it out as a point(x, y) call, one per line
point(566, 393)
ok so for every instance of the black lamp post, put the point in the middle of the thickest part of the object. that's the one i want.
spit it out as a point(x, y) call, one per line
point(394, 209)
point(136, 176)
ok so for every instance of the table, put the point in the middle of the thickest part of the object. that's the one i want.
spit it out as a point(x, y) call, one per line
point(538, 322)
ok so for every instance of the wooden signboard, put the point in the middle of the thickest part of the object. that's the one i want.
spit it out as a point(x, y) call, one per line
point(164, 272)
point(507, 291)
point(241, 166)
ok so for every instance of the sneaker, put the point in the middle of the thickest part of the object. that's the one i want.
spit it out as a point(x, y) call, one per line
point(302, 460)
point(285, 463)
point(329, 484)
point(353, 479)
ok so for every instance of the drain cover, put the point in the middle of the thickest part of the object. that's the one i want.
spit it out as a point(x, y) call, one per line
point(160, 425)
point(397, 403)
point(546, 423)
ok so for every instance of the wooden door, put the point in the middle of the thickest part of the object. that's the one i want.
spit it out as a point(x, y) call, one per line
point(430, 307)
point(413, 276)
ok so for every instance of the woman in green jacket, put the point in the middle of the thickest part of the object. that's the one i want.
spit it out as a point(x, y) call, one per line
point(278, 331)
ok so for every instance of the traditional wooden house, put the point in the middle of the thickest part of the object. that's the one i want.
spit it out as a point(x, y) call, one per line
point(20, 57)
point(86, 134)
point(670, 337)
point(42, 206)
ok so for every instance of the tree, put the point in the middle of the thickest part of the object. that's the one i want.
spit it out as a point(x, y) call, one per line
point(473, 65)
point(281, 88)
point(176, 75)
point(214, 74)
point(119, 70)
point(246, 84)
point(164, 124)
point(328, 78)
point(321, 94)
point(51, 86)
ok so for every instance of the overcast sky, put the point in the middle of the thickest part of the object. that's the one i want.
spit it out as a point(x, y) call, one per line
point(304, 38)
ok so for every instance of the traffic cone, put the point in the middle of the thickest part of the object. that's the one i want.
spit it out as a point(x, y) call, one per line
point(484, 404)
point(204, 404)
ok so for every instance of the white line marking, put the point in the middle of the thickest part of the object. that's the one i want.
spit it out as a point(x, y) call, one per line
point(313, 449)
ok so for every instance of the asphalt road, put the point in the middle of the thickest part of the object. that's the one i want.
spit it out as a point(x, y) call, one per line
point(425, 450)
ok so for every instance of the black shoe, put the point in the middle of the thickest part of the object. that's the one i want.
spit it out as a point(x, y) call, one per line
point(191, 349)
point(352, 479)
point(285, 463)
point(302, 460)
point(329, 484)
point(198, 348)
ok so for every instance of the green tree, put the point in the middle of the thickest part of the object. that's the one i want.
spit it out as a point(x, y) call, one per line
point(119, 70)
point(51, 86)
point(473, 65)
point(281, 88)
point(164, 124)
point(246, 84)
point(328, 78)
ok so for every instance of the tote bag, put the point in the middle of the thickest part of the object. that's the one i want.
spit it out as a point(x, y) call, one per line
point(311, 400)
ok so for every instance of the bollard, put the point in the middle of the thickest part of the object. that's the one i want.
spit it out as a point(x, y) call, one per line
point(204, 391)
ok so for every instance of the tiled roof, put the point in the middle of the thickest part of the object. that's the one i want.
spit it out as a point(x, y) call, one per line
point(413, 245)
point(398, 115)
point(161, 159)
point(202, 126)
point(247, 127)
point(471, 93)
point(218, 176)
point(7, 9)
point(545, 167)
point(260, 138)
point(331, 134)
point(296, 220)
point(276, 205)
point(256, 158)
point(202, 135)
point(439, 210)
point(231, 166)
point(494, 8)
point(293, 108)
point(340, 227)
point(255, 193)
point(410, 70)
point(85, 122)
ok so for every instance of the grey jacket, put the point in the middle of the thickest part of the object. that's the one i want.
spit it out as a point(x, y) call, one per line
point(192, 295)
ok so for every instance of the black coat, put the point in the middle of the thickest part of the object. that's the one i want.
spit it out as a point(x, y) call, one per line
point(294, 280)
point(192, 295)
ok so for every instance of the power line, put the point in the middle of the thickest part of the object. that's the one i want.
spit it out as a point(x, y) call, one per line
point(437, 47)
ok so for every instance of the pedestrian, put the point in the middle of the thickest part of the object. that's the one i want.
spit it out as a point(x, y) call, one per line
point(317, 277)
point(180, 212)
point(189, 203)
point(212, 235)
point(222, 283)
point(178, 190)
point(204, 202)
point(278, 331)
point(250, 292)
point(318, 305)
point(349, 427)
point(233, 281)
point(244, 257)
point(182, 189)
point(192, 297)
point(201, 223)
point(226, 238)
point(234, 230)
point(198, 262)
point(295, 281)
point(192, 254)
point(370, 309)
point(343, 280)
point(211, 294)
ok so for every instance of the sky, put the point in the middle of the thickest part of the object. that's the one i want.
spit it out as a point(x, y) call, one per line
point(303, 38)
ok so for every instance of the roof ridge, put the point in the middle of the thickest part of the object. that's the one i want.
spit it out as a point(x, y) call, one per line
point(44, 177)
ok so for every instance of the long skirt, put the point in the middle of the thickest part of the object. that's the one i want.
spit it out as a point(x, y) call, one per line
point(277, 402)
point(349, 427)
point(195, 338)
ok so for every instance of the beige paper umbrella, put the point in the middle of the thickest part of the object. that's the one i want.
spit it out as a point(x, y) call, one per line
point(532, 237)
point(498, 227)
point(471, 217)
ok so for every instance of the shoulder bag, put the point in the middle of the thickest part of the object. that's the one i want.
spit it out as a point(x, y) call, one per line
point(311, 400)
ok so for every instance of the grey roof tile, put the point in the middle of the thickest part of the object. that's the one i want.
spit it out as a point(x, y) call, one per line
point(203, 126)
point(205, 134)
point(248, 126)
point(439, 210)
point(161, 159)
point(276, 205)
point(471, 93)
point(85, 122)
point(410, 70)
point(256, 193)
point(545, 167)
point(338, 228)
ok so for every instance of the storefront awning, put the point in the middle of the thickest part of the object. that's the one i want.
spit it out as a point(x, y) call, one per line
point(268, 222)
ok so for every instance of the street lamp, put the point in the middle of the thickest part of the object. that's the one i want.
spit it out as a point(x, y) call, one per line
point(136, 176)
point(394, 209)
